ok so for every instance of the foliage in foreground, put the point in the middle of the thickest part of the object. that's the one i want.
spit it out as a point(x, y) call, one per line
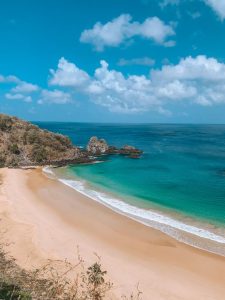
point(48, 284)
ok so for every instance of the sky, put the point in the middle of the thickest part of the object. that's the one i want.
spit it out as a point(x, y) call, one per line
point(114, 61)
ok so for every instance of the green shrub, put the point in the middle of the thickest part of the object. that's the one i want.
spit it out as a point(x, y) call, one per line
point(14, 149)
point(2, 160)
point(39, 154)
point(64, 140)
point(12, 292)
point(5, 122)
point(32, 136)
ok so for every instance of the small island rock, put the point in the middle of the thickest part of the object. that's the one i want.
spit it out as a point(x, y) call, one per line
point(97, 146)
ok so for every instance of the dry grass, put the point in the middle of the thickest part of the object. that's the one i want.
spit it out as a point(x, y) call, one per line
point(47, 283)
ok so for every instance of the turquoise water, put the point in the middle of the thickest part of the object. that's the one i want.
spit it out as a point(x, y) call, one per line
point(182, 170)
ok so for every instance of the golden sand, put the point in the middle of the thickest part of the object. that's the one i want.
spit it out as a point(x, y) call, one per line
point(42, 219)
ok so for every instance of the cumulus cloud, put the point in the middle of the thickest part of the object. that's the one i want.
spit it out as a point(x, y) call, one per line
point(198, 80)
point(27, 92)
point(122, 29)
point(218, 6)
point(21, 89)
point(55, 96)
point(142, 61)
point(189, 68)
point(68, 74)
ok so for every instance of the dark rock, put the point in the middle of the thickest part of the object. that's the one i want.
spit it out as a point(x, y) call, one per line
point(130, 151)
point(134, 155)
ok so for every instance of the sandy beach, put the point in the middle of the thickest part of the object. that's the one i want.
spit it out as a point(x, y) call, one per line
point(41, 218)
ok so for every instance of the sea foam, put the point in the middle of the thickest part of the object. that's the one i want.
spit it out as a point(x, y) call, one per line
point(156, 220)
point(147, 217)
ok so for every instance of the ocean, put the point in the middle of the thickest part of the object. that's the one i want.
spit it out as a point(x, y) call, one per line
point(177, 186)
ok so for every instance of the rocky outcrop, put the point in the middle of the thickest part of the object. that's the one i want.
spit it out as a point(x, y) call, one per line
point(130, 151)
point(24, 144)
point(97, 146)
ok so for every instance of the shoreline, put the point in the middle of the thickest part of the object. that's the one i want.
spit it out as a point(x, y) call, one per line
point(46, 219)
point(191, 233)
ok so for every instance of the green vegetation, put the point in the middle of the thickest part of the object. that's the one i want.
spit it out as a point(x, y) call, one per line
point(14, 149)
point(5, 122)
point(24, 144)
point(12, 292)
point(48, 283)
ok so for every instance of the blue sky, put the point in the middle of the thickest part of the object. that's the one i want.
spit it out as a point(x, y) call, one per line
point(113, 61)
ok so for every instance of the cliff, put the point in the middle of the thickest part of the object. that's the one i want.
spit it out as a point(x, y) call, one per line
point(24, 144)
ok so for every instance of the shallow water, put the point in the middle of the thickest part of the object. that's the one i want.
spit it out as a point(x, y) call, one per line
point(178, 183)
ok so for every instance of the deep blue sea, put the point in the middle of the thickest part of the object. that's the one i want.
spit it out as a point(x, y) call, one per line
point(177, 186)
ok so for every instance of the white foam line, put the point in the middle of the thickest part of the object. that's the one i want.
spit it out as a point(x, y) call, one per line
point(146, 216)
point(47, 169)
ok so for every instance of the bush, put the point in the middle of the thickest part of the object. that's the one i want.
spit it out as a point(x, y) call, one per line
point(96, 282)
point(12, 292)
point(64, 140)
point(39, 154)
point(2, 160)
point(5, 122)
point(12, 161)
point(48, 283)
point(32, 136)
point(14, 149)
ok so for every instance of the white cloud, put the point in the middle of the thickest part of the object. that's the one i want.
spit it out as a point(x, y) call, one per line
point(122, 29)
point(198, 80)
point(14, 96)
point(55, 96)
point(118, 93)
point(18, 97)
point(190, 68)
point(154, 28)
point(142, 61)
point(176, 90)
point(21, 89)
point(68, 74)
point(218, 6)
point(25, 87)
point(9, 79)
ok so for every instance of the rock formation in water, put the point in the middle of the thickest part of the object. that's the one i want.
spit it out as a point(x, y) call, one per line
point(97, 146)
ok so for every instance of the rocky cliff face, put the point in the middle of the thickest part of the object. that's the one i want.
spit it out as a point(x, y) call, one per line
point(97, 146)
point(24, 144)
